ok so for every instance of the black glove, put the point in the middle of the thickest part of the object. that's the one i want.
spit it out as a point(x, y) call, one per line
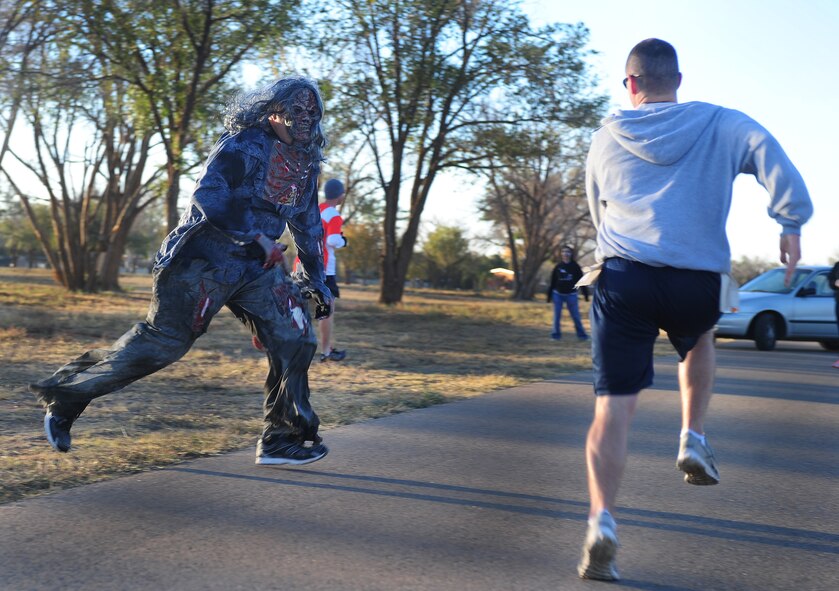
point(323, 301)
point(345, 240)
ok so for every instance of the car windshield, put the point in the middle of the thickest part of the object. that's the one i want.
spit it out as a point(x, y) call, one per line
point(773, 281)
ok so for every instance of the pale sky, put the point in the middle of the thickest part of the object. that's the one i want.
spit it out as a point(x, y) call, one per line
point(775, 60)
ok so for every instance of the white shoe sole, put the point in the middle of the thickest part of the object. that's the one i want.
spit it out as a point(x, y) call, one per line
point(269, 461)
point(598, 561)
point(48, 432)
point(697, 471)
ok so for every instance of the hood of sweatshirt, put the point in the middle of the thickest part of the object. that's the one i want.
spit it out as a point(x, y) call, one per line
point(661, 135)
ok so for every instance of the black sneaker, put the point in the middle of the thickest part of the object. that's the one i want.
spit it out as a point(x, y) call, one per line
point(58, 431)
point(288, 452)
point(334, 355)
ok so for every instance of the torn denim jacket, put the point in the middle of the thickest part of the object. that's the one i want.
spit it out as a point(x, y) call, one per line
point(254, 184)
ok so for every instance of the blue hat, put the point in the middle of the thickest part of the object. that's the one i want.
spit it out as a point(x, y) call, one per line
point(333, 189)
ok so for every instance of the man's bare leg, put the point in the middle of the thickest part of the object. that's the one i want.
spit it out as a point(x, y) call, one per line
point(325, 326)
point(606, 449)
point(327, 351)
point(696, 380)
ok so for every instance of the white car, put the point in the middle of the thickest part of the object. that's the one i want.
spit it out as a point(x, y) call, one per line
point(769, 311)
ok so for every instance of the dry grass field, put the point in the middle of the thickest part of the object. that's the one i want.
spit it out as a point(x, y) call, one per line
point(434, 347)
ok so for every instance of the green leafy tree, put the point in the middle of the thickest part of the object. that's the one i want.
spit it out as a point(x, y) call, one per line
point(361, 257)
point(479, 276)
point(179, 57)
point(421, 78)
point(746, 268)
point(447, 260)
point(446, 257)
point(147, 232)
point(16, 233)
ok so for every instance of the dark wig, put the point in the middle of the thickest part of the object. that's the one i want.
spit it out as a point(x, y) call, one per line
point(253, 109)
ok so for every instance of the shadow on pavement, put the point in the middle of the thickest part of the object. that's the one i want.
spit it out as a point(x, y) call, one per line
point(725, 529)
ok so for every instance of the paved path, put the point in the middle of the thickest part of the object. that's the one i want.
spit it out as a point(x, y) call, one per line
point(485, 494)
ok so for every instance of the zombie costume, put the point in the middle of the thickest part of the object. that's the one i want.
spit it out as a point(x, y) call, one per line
point(252, 187)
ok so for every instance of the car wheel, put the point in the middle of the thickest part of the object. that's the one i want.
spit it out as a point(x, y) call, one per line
point(765, 332)
point(830, 345)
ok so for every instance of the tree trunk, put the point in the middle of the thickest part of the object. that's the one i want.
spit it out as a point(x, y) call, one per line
point(393, 283)
point(526, 287)
point(110, 264)
point(172, 193)
point(396, 260)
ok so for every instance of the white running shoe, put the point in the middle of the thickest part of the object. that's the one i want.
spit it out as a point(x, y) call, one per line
point(696, 460)
point(599, 549)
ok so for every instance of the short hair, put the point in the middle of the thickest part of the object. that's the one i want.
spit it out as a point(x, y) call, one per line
point(253, 109)
point(655, 64)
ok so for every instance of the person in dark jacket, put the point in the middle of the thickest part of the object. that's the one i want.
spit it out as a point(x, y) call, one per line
point(561, 291)
point(833, 279)
point(261, 177)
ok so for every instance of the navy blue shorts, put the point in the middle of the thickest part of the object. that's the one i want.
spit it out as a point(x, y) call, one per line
point(632, 303)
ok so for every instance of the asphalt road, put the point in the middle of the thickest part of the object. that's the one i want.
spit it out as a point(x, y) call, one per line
point(485, 494)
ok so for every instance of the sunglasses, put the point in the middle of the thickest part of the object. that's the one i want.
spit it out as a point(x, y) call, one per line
point(625, 80)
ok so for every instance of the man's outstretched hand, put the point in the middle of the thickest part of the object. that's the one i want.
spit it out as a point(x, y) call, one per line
point(790, 254)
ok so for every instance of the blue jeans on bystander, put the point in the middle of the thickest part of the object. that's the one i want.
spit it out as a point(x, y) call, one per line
point(570, 300)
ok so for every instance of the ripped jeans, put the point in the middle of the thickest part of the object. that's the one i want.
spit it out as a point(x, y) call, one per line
point(207, 274)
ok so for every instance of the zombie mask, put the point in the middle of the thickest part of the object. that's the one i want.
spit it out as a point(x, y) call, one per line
point(302, 116)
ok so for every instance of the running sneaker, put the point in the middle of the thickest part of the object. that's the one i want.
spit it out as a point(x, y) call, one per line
point(599, 549)
point(696, 460)
point(58, 431)
point(333, 355)
point(836, 364)
point(288, 452)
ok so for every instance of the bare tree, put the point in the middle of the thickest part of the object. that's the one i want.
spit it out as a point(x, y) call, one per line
point(115, 75)
point(89, 163)
point(21, 34)
point(361, 259)
point(417, 80)
point(536, 197)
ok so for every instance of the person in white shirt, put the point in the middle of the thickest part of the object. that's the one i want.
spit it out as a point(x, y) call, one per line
point(333, 239)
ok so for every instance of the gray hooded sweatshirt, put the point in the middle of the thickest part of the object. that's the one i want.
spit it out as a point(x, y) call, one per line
point(659, 183)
